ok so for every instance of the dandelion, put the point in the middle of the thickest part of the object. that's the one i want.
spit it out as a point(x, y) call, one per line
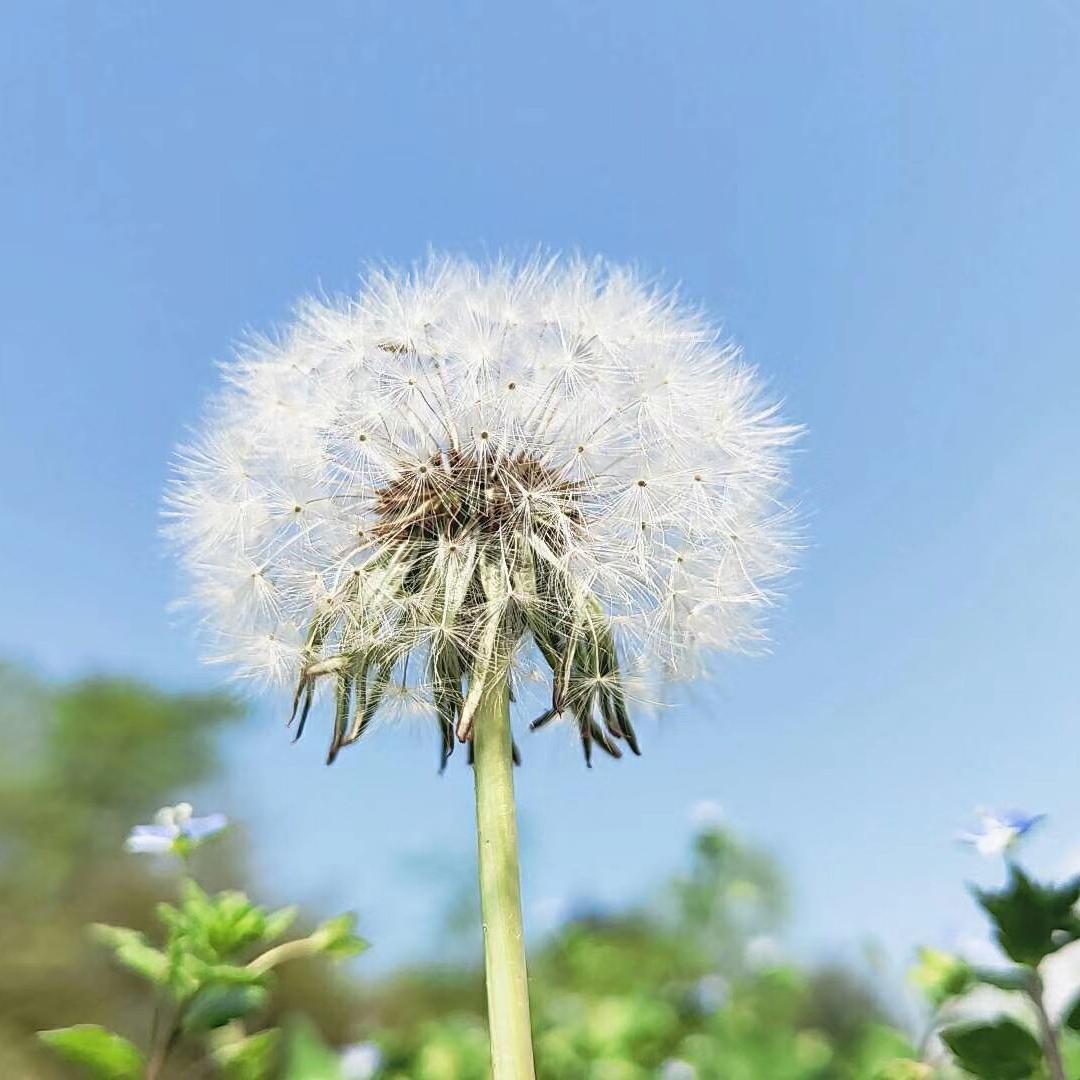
point(467, 479)
point(998, 833)
point(174, 831)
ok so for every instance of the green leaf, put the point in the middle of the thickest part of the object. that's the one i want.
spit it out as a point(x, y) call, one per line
point(250, 1058)
point(185, 969)
point(130, 949)
point(214, 928)
point(1000, 1050)
point(104, 1053)
point(1070, 1051)
point(234, 923)
point(277, 922)
point(227, 974)
point(196, 903)
point(941, 976)
point(1032, 920)
point(219, 1005)
point(169, 916)
point(336, 939)
point(881, 1053)
point(307, 1057)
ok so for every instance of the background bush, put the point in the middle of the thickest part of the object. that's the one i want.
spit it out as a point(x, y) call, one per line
point(686, 982)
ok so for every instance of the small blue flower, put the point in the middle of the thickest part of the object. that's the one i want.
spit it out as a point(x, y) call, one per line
point(174, 830)
point(712, 993)
point(998, 832)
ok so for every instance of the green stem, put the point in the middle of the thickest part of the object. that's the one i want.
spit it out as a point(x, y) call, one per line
point(500, 888)
point(300, 949)
point(164, 1048)
point(1051, 1047)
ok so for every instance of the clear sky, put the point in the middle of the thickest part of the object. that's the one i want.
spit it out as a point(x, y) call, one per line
point(879, 200)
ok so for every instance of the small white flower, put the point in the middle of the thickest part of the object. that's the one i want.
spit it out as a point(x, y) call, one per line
point(361, 1061)
point(174, 828)
point(707, 815)
point(997, 833)
point(677, 1069)
point(763, 952)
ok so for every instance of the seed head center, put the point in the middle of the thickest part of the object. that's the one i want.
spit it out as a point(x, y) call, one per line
point(455, 493)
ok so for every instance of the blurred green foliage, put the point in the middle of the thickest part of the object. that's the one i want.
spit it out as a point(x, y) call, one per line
point(219, 962)
point(82, 763)
point(1032, 921)
point(681, 989)
point(686, 986)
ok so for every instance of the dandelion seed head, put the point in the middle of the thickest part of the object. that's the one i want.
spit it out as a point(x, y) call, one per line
point(466, 464)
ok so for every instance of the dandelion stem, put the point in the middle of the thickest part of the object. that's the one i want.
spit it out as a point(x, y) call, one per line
point(500, 887)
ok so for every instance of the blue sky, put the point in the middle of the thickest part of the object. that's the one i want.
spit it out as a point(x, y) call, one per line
point(878, 200)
